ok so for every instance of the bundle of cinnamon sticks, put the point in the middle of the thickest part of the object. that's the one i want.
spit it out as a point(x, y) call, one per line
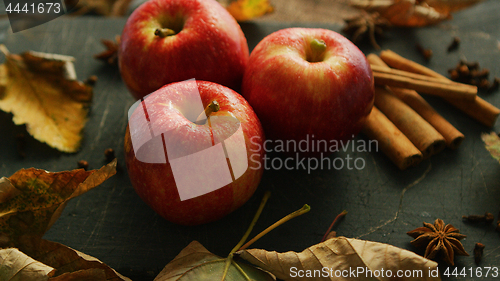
point(406, 127)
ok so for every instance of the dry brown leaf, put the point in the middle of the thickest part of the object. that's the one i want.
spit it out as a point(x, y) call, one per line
point(82, 275)
point(41, 91)
point(413, 13)
point(70, 264)
point(243, 10)
point(195, 263)
point(33, 199)
point(338, 254)
point(17, 266)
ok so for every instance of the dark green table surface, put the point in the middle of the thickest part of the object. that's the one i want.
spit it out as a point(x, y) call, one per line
point(114, 225)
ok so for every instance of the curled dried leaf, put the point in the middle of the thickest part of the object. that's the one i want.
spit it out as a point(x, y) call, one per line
point(70, 264)
point(196, 263)
point(41, 91)
point(340, 254)
point(413, 13)
point(33, 199)
point(15, 265)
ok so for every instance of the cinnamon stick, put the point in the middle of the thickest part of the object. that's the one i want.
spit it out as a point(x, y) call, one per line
point(427, 139)
point(396, 61)
point(391, 141)
point(422, 83)
point(479, 109)
point(452, 136)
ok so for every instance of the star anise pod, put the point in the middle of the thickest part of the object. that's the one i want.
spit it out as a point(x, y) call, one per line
point(439, 239)
point(366, 24)
point(110, 55)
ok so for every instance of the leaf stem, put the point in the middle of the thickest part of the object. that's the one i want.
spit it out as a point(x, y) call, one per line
point(247, 233)
point(229, 260)
point(297, 213)
point(337, 218)
point(254, 221)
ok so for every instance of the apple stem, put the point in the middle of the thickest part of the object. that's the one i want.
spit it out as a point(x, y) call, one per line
point(297, 213)
point(229, 259)
point(317, 51)
point(213, 106)
point(164, 32)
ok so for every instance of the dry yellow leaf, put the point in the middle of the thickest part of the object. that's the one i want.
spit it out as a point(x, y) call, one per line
point(492, 143)
point(413, 13)
point(243, 10)
point(31, 200)
point(41, 91)
point(345, 259)
point(17, 266)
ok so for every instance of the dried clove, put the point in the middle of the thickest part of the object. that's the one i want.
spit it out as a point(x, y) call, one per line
point(426, 53)
point(484, 84)
point(478, 252)
point(109, 154)
point(494, 85)
point(82, 164)
point(471, 65)
point(463, 70)
point(487, 218)
point(454, 44)
point(91, 80)
point(454, 74)
point(470, 73)
point(481, 74)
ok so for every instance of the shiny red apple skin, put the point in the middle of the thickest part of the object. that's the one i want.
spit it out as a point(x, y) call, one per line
point(211, 46)
point(293, 97)
point(155, 183)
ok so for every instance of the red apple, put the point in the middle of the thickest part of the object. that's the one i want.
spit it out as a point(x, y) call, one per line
point(168, 41)
point(189, 168)
point(308, 83)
